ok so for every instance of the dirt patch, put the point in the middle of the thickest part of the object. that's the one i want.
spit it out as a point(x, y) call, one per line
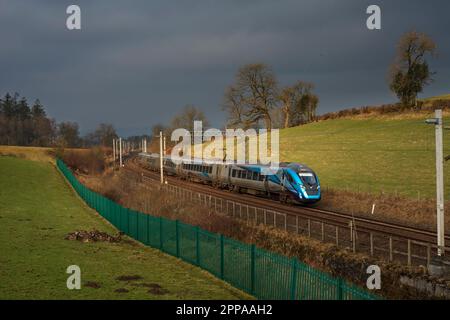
point(121, 290)
point(155, 289)
point(92, 284)
point(92, 236)
point(129, 278)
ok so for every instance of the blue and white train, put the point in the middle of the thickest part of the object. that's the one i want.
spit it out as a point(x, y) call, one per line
point(291, 182)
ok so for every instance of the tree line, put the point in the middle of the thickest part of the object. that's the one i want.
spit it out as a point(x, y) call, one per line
point(255, 99)
point(22, 124)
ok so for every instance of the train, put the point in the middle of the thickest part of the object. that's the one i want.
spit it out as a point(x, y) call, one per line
point(291, 182)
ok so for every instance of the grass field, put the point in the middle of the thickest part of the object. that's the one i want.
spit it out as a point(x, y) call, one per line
point(30, 153)
point(379, 154)
point(37, 210)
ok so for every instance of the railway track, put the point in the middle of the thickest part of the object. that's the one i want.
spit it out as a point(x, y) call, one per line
point(330, 217)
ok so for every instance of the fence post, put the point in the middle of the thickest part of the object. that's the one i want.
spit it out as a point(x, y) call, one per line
point(371, 244)
point(160, 233)
point(340, 289)
point(197, 245)
point(323, 231)
point(222, 256)
point(337, 236)
point(127, 212)
point(148, 229)
point(409, 252)
point(294, 279)
point(252, 269)
point(390, 249)
point(177, 239)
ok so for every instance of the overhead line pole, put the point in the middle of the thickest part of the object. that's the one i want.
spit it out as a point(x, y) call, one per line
point(120, 152)
point(437, 121)
point(114, 151)
point(161, 156)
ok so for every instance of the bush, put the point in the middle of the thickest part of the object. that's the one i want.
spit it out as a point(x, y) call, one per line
point(87, 161)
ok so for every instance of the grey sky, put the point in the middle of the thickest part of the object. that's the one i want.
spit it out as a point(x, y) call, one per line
point(136, 63)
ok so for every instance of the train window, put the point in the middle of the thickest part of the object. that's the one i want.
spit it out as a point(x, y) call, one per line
point(233, 173)
point(261, 177)
point(255, 175)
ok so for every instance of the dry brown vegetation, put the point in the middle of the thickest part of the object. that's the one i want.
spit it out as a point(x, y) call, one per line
point(85, 161)
point(30, 153)
point(393, 208)
point(127, 189)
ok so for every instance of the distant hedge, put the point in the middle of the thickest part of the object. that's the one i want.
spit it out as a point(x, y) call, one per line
point(387, 109)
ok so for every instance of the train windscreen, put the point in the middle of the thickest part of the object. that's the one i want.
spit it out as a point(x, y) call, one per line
point(308, 178)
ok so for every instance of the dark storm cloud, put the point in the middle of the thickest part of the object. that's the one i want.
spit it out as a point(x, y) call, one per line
point(136, 63)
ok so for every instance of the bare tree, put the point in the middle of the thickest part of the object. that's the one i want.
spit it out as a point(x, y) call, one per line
point(235, 107)
point(410, 71)
point(68, 134)
point(253, 95)
point(186, 118)
point(299, 104)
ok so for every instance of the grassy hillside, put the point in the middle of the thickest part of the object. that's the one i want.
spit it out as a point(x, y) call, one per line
point(378, 154)
point(31, 153)
point(37, 210)
point(441, 97)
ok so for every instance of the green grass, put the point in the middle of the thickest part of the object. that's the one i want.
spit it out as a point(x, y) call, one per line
point(37, 210)
point(441, 97)
point(391, 155)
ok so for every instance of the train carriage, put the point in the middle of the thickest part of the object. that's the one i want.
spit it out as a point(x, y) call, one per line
point(290, 181)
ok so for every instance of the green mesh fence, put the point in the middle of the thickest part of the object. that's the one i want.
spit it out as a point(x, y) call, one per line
point(260, 273)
